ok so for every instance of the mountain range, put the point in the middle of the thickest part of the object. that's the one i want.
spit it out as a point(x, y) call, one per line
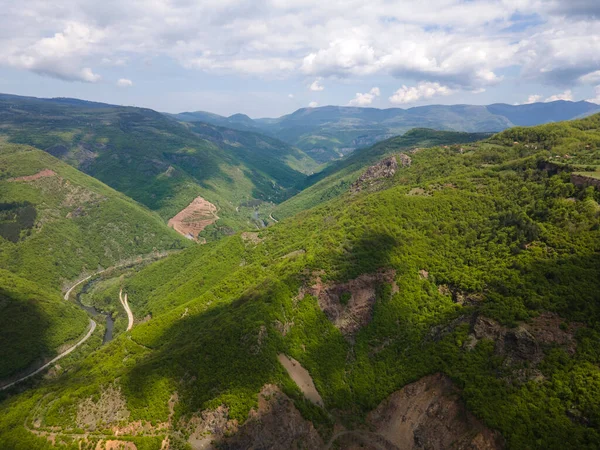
point(185, 285)
point(329, 132)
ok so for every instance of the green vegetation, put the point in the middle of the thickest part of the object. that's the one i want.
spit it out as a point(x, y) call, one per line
point(53, 229)
point(495, 221)
point(335, 179)
point(157, 161)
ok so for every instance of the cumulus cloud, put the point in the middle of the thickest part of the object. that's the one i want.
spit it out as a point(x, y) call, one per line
point(316, 86)
point(422, 91)
point(533, 99)
point(567, 95)
point(464, 45)
point(313, 104)
point(597, 98)
point(366, 98)
point(124, 82)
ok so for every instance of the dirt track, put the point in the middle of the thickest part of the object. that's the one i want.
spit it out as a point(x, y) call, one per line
point(123, 299)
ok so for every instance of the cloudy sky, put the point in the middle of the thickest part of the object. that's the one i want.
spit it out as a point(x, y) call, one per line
point(270, 57)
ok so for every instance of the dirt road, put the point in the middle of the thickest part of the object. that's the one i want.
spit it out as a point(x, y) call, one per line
point(123, 299)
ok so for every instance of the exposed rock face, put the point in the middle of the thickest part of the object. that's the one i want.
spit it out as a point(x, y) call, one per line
point(584, 181)
point(429, 414)
point(526, 342)
point(276, 424)
point(350, 305)
point(383, 169)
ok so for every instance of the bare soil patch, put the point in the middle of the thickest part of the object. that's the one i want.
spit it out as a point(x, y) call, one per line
point(194, 218)
point(429, 414)
point(110, 409)
point(41, 174)
point(350, 305)
point(276, 424)
point(302, 378)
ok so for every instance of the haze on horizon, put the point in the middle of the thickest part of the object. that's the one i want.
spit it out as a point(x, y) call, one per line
point(269, 58)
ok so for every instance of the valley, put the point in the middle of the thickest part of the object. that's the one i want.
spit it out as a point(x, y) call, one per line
point(438, 289)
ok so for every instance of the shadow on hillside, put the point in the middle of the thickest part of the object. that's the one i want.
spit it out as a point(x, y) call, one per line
point(24, 328)
point(228, 352)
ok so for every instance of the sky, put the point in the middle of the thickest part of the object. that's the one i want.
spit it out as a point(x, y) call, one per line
point(266, 58)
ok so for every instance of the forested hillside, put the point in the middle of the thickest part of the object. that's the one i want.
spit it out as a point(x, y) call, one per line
point(158, 161)
point(471, 271)
point(57, 224)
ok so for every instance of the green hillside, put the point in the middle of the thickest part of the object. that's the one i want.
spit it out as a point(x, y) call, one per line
point(55, 225)
point(483, 264)
point(336, 178)
point(157, 161)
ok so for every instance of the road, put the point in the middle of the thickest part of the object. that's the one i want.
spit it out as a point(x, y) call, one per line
point(273, 218)
point(62, 355)
point(123, 299)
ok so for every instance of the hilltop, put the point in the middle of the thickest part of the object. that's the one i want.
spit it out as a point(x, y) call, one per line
point(451, 300)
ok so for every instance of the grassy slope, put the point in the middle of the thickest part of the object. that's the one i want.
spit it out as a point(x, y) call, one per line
point(155, 160)
point(335, 179)
point(80, 225)
point(490, 221)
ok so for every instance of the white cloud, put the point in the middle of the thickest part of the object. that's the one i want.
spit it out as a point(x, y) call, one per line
point(313, 104)
point(423, 90)
point(366, 98)
point(567, 95)
point(124, 82)
point(316, 86)
point(290, 95)
point(533, 99)
point(465, 45)
point(597, 98)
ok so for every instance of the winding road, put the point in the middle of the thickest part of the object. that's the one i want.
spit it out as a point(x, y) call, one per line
point(67, 351)
point(123, 299)
point(273, 218)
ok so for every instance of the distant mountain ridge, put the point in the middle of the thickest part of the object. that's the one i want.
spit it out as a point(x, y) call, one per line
point(329, 132)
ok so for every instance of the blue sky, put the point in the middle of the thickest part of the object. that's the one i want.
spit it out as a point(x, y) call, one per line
point(268, 58)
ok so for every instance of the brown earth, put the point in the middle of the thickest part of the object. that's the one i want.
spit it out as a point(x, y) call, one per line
point(429, 414)
point(194, 218)
point(383, 169)
point(302, 378)
point(41, 174)
point(115, 445)
point(350, 305)
point(111, 408)
point(276, 424)
point(526, 342)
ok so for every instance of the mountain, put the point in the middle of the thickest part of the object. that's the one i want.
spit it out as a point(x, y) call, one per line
point(158, 161)
point(329, 132)
point(55, 225)
point(450, 302)
point(336, 178)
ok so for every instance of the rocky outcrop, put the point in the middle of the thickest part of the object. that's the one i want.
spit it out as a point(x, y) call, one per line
point(585, 181)
point(349, 306)
point(429, 414)
point(275, 424)
point(526, 342)
point(383, 169)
